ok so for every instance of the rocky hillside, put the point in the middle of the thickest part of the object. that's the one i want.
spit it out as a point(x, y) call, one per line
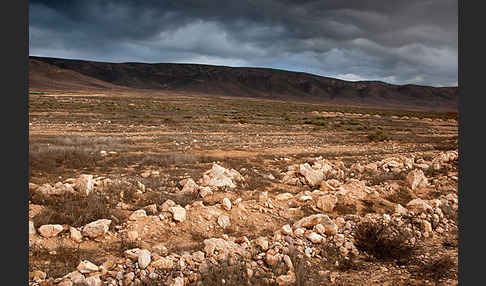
point(75, 75)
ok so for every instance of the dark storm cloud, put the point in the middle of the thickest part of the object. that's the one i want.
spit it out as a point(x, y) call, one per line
point(394, 41)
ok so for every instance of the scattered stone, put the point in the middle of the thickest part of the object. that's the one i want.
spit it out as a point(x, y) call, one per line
point(31, 228)
point(314, 237)
point(163, 263)
point(205, 191)
point(84, 184)
point(132, 235)
point(137, 214)
point(286, 280)
point(283, 196)
point(93, 281)
point(286, 229)
point(219, 176)
point(50, 230)
point(226, 204)
point(151, 209)
point(312, 177)
point(327, 203)
point(189, 186)
point(418, 206)
point(75, 234)
point(86, 266)
point(224, 221)
point(96, 228)
point(416, 179)
point(178, 213)
point(262, 242)
point(144, 258)
point(311, 221)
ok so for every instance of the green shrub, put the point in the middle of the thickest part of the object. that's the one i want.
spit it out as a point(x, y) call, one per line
point(379, 135)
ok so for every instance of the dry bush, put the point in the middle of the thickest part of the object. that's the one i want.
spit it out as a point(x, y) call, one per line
point(49, 158)
point(383, 241)
point(227, 273)
point(437, 268)
point(60, 262)
point(344, 209)
point(74, 209)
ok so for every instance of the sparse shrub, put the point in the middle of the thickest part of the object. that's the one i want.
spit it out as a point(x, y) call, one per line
point(62, 261)
point(379, 135)
point(74, 209)
point(226, 274)
point(383, 241)
point(437, 268)
point(344, 209)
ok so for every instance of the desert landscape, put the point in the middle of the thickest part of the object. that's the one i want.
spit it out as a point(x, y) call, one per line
point(196, 184)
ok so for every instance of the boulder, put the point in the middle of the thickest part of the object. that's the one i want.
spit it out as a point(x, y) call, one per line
point(86, 266)
point(50, 230)
point(416, 179)
point(75, 234)
point(144, 258)
point(226, 204)
point(311, 221)
point(219, 176)
point(312, 177)
point(419, 206)
point(178, 213)
point(327, 203)
point(84, 184)
point(96, 228)
point(224, 221)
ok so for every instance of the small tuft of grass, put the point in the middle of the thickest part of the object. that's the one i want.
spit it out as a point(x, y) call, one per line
point(377, 136)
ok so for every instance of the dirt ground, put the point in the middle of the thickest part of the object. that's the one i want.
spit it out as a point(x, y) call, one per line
point(158, 139)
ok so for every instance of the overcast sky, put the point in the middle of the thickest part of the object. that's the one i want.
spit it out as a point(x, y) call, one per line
point(398, 42)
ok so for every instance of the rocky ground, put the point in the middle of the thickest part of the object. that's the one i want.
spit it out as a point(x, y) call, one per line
point(294, 195)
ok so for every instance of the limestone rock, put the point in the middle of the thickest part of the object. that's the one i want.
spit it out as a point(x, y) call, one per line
point(312, 177)
point(327, 203)
point(416, 179)
point(86, 266)
point(96, 228)
point(137, 214)
point(178, 213)
point(311, 221)
point(219, 176)
point(31, 228)
point(144, 258)
point(189, 186)
point(224, 221)
point(419, 206)
point(75, 234)
point(314, 237)
point(50, 230)
point(226, 204)
point(163, 263)
point(84, 184)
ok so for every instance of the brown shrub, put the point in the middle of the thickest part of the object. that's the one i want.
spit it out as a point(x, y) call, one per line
point(383, 241)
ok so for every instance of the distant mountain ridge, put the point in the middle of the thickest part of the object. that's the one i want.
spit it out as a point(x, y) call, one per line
point(67, 74)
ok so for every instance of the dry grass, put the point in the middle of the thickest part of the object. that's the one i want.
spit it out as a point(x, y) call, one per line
point(74, 209)
point(60, 262)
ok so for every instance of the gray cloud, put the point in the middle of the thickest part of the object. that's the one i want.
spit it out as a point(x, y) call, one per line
point(393, 41)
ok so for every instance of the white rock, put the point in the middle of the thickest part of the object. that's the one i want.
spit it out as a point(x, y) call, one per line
point(283, 196)
point(286, 229)
point(416, 179)
point(84, 184)
point(93, 281)
point(262, 242)
point(75, 234)
point(219, 176)
point(96, 228)
point(327, 203)
point(137, 214)
point(31, 228)
point(178, 213)
point(312, 177)
point(179, 281)
point(163, 263)
point(314, 237)
point(189, 186)
point(144, 258)
point(86, 266)
point(50, 230)
point(132, 235)
point(418, 206)
point(224, 221)
point(226, 204)
point(311, 221)
point(205, 191)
